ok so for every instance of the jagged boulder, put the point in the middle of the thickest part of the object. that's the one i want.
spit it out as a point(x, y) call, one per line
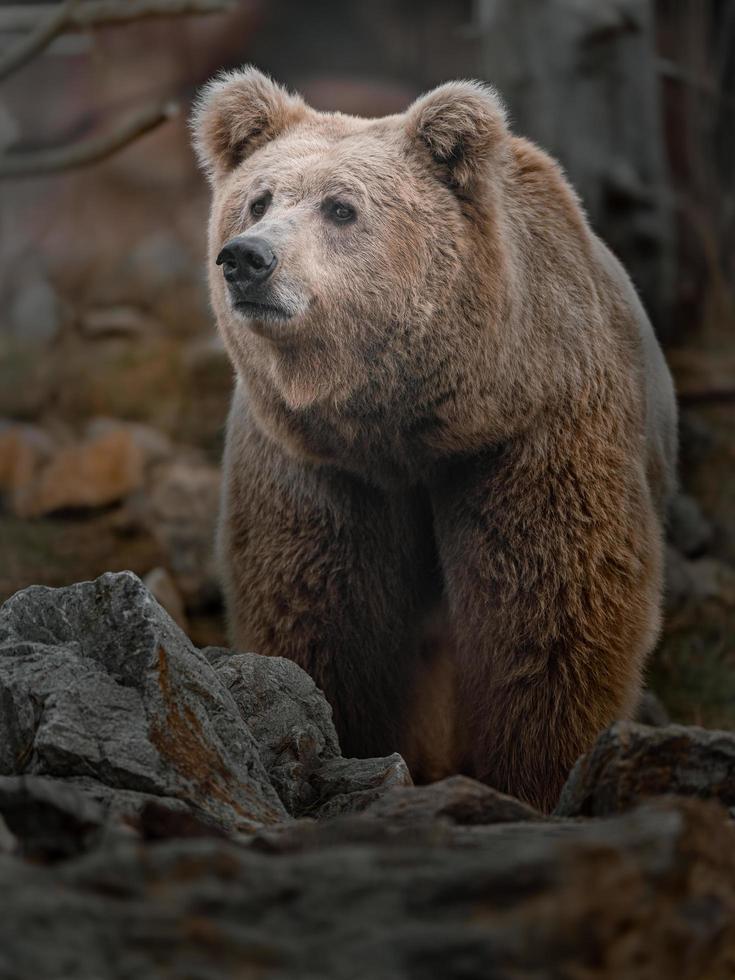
point(48, 818)
point(292, 724)
point(99, 686)
point(631, 762)
point(289, 717)
point(101, 690)
point(456, 800)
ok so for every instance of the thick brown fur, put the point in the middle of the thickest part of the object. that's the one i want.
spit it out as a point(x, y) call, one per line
point(446, 470)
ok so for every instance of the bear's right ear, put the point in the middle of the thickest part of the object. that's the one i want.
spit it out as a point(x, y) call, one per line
point(236, 113)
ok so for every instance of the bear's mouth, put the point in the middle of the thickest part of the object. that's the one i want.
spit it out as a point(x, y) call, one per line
point(262, 311)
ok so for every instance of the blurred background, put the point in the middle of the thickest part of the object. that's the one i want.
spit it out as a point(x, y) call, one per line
point(113, 386)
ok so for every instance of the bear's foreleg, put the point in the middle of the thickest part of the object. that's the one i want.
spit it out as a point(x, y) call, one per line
point(552, 574)
point(327, 571)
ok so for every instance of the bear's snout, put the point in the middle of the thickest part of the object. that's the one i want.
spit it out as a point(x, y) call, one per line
point(246, 261)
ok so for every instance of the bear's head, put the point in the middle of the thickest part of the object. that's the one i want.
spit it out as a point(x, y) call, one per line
point(349, 257)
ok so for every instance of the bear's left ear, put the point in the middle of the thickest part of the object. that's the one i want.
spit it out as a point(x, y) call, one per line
point(463, 126)
point(237, 113)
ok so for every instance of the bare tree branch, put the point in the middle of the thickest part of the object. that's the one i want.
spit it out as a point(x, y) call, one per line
point(91, 150)
point(25, 17)
point(43, 23)
point(39, 38)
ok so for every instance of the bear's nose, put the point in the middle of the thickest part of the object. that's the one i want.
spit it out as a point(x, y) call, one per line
point(247, 259)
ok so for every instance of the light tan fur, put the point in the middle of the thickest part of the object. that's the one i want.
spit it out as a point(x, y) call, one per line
point(462, 408)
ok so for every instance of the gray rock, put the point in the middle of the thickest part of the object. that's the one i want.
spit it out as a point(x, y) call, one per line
point(160, 262)
point(8, 843)
point(289, 718)
point(631, 762)
point(457, 800)
point(648, 894)
point(352, 785)
point(123, 807)
point(688, 529)
point(651, 711)
point(94, 472)
point(97, 682)
point(9, 128)
point(154, 446)
point(34, 316)
point(163, 588)
point(49, 818)
point(678, 579)
point(292, 724)
point(24, 450)
point(117, 321)
point(206, 393)
point(104, 691)
point(697, 580)
point(180, 510)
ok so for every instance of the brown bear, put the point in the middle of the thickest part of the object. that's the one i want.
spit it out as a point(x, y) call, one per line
point(453, 432)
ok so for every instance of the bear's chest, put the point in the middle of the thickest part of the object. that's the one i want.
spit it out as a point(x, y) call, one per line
point(389, 446)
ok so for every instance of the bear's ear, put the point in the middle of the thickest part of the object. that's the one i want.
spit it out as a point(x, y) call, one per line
point(236, 113)
point(463, 126)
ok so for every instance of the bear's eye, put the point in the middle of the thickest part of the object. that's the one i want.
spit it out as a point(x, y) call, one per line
point(339, 212)
point(260, 205)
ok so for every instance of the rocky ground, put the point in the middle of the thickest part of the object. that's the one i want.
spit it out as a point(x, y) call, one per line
point(173, 811)
point(76, 501)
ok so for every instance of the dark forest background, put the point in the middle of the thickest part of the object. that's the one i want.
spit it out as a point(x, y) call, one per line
point(113, 385)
